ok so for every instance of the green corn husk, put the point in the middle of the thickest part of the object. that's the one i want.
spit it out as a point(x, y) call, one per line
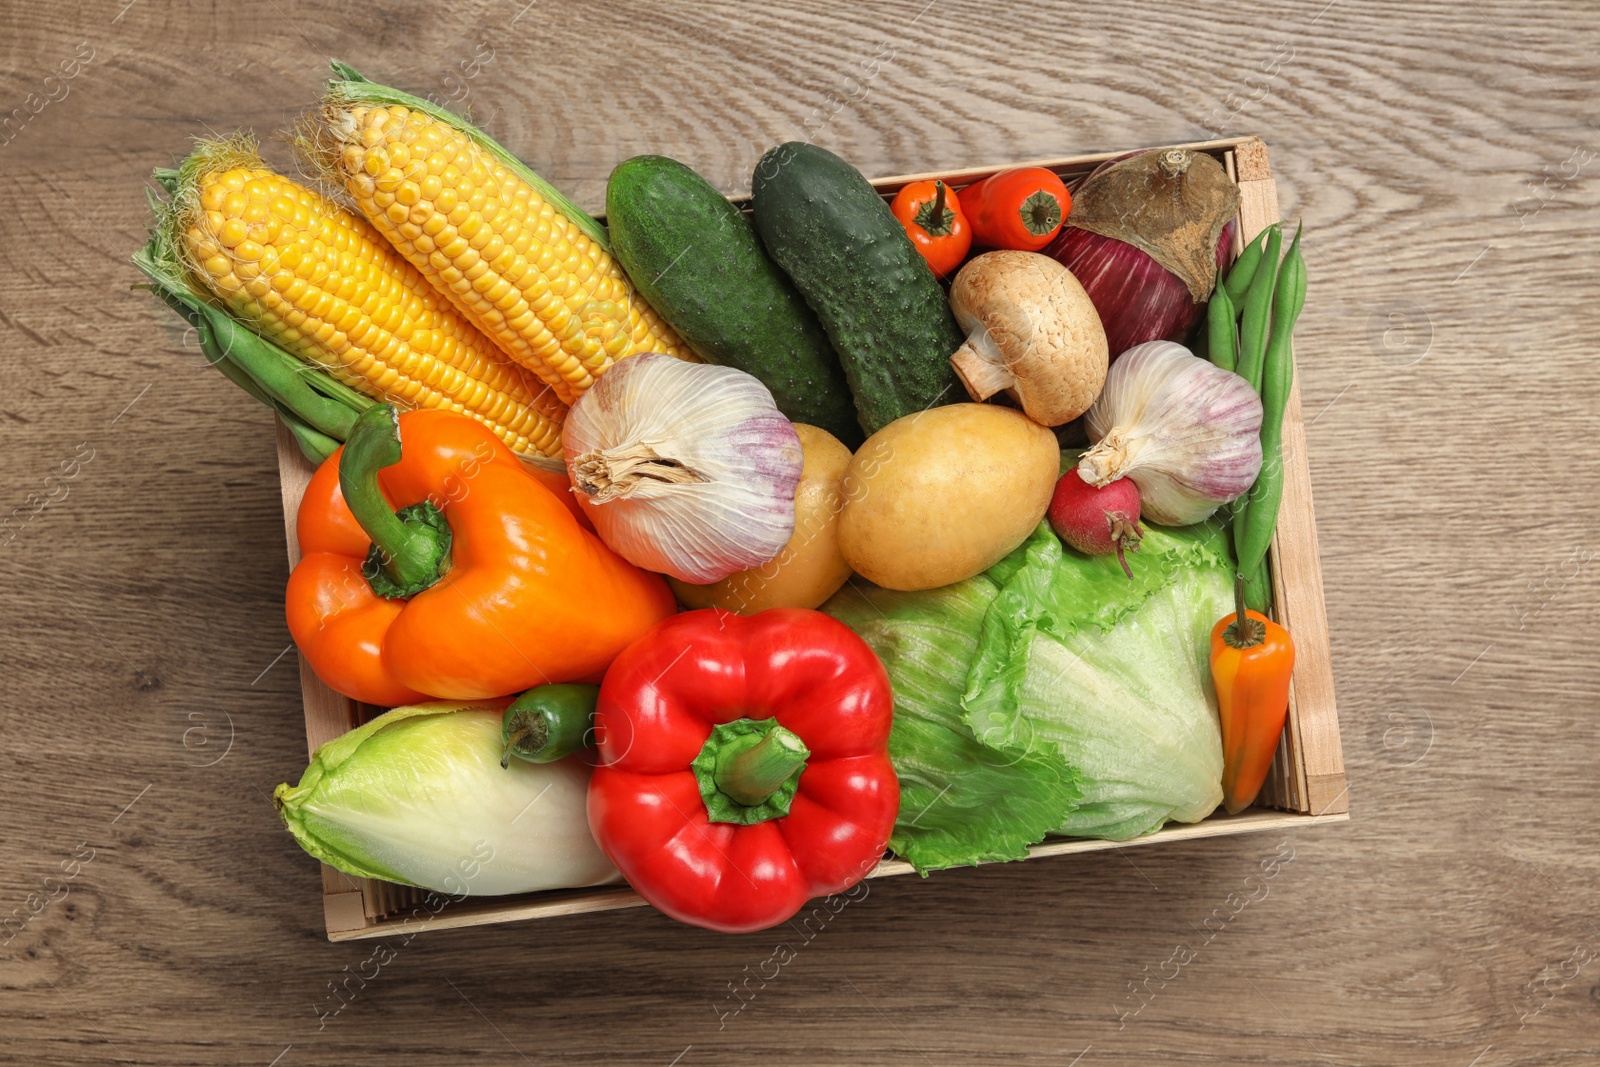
point(318, 410)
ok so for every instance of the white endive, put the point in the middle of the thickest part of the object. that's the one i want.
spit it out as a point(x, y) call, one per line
point(418, 796)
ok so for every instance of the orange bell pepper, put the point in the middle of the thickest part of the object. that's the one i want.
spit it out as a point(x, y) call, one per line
point(483, 584)
point(1252, 658)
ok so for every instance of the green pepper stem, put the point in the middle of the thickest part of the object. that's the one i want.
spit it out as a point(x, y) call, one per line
point(753, 771)
point(412, 555)
point(937, 218)
point(1040, 213)
point(1243, 631)
point(528, 734)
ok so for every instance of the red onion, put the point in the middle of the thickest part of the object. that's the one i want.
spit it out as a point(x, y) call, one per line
point(1163, 202)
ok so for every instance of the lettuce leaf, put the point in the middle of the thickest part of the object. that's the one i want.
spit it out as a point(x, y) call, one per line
point(962, 801)
point(1051, 694)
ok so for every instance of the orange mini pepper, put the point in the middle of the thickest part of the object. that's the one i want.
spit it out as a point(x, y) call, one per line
point(934, 221)
point(1021, 209)
point(481, 585)
point(1252, 658)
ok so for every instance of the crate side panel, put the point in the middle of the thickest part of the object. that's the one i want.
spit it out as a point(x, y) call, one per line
point(1308, 774)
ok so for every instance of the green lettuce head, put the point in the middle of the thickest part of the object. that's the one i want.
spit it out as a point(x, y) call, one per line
point(1051, 694)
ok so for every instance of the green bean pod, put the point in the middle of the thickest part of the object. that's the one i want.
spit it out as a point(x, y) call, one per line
point(1257, 311)
point(1252, 349)
point(1277, 378)
point(1222, 336)
point(318, 411)
point(1243, 271)
point(1258, 589)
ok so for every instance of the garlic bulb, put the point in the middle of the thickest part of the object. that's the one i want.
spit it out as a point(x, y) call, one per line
point(684, 468)
point(1185, 431)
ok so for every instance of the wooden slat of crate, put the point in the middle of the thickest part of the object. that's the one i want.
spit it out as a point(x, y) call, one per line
point(487, 910)
point(1309, 768)
point(1307, 781)
point(347, 903)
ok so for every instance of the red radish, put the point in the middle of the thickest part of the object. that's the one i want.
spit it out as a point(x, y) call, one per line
point(1100, 521)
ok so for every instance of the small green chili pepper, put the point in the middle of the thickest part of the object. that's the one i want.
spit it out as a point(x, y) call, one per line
point(1222, 337)
point(1243, 270)
point(1277, 377)
point(549, 722)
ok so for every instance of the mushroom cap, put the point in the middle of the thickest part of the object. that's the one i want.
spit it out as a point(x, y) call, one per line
point(1028, 312)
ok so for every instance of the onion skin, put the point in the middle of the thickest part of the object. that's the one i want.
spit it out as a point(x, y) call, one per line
point(1138, 299)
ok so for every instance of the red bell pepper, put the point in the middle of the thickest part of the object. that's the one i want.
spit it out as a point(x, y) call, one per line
point(743, 765)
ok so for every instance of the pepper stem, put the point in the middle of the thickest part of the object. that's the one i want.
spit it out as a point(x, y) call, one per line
point(548, 722)
point(751, 771)
point(934, 216)
point(1243, 631)
point(528, 733)
point(1040, 213)
point(410, 549)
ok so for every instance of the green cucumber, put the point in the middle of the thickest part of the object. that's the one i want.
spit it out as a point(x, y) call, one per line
point(874, 294)
point(696, 259)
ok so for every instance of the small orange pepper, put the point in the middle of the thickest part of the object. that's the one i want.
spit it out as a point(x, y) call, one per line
point(935, 223)
point(1021, 209)
point(1252, 658)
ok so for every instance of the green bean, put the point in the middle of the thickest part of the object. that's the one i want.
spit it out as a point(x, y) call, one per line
point(314, 444)
point(1276, 380)
point(1244, 269)
point(1252, 351)
point(1258, 589)
point(1257, 306)
point(1222, 337)
point(286, 379)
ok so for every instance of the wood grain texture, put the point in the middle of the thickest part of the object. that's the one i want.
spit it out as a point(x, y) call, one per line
point(1444, 159)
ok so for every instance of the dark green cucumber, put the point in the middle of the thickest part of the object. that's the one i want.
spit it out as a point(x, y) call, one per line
point(874, 294)
point(695, 258)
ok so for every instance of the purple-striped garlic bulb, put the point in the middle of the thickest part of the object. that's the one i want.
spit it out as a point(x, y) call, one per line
point(1185, 431)
point(684, 468)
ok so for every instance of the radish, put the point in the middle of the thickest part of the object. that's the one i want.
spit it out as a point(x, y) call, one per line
point(1097, 522)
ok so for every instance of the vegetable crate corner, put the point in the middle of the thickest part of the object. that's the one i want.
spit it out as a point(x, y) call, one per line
point(1306, 783)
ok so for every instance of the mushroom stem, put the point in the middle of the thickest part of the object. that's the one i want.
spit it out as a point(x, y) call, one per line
point(981, 366)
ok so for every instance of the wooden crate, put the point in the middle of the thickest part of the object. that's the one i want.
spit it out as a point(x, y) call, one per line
point(1307, 783)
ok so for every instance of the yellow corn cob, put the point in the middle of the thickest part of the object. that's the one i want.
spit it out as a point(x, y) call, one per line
point(317, 280)
point(520, 269)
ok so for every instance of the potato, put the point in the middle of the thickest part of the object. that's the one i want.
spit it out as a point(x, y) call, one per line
point(810, 569)
point(944, 494)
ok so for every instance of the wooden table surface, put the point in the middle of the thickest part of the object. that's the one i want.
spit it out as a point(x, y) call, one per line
point(1443, 157)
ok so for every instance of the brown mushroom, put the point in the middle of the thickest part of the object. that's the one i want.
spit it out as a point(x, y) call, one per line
point(1031, 332)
